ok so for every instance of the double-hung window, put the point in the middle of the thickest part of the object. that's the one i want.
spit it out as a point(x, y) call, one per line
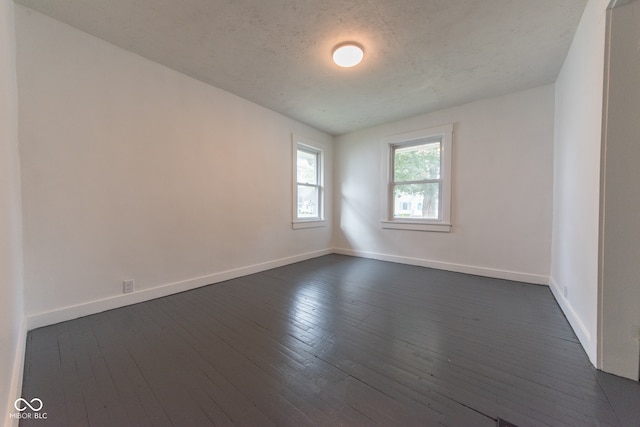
point(418, 180)
point(308, 191)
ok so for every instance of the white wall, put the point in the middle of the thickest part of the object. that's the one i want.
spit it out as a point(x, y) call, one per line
point(11, 307)
point(621, 198)
point(133, 171)
point(501, 198)
point(577, 143)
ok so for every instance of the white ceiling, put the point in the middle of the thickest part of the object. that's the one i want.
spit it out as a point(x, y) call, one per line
point(420, 55)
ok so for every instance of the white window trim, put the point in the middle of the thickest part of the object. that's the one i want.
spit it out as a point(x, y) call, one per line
point(302, 223)
point(386, 198)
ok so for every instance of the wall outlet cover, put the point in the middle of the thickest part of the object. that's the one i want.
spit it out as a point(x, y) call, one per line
point(127, 286)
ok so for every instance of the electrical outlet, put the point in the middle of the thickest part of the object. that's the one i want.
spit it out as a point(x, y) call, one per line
point(127, 286)
point(565, 291)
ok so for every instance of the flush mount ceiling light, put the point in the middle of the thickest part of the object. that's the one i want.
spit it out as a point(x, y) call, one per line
point(347, 54)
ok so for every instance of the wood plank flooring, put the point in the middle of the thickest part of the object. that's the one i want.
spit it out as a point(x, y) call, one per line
point(333, 341)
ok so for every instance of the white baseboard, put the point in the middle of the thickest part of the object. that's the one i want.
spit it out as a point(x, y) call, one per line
point(15, 388)
point(92, 307)
point(458, 268)
point(575, 321)
point(73, 312)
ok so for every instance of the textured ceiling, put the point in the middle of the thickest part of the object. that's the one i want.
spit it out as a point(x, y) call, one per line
point(420, 55)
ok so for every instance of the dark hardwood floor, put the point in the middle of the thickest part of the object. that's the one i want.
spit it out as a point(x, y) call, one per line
point(331, 341)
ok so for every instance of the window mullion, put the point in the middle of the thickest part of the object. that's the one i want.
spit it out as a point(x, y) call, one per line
point(424, 181)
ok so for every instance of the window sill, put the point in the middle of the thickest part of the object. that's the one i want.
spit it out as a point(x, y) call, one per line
point(315, 223)
point(417, 226)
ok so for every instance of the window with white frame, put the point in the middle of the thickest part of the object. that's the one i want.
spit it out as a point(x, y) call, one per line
point(308, 194)
point(418, 180)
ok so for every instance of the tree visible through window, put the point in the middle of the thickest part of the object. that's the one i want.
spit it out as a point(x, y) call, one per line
point(416, 183)
point(417, 180)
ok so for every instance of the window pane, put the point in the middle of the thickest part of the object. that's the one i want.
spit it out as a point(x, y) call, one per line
point(307, 167)
point(417, 162)
point(307, 202)
point(416, 201)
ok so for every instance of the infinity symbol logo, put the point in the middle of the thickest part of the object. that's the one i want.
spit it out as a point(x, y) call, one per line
point(34, 407)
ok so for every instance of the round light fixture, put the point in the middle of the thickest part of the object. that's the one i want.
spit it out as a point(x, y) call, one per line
point(347, 54)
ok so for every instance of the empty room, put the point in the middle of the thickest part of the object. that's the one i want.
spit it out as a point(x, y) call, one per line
point(305, 213)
